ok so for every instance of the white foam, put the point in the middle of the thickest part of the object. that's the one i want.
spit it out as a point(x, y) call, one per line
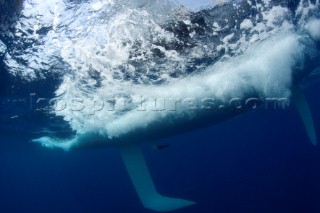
point(246, 24)
point(3, 48)
point(266, 69)
point(313, 27)
point(197, 5)
point(97, 5)
point(275, 15)
point(52, 143)
point(115, 29)
point(119, 43)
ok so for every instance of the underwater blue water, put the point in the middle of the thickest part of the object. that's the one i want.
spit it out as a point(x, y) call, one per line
point(261, 161)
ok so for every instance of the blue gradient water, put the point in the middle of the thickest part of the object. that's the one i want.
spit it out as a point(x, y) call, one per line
point(260, 161)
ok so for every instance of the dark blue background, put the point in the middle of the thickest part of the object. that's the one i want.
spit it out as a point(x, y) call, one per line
point(261, 161)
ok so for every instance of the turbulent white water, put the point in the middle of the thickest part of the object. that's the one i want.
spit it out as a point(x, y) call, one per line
point(117, 57)
point(2, 48)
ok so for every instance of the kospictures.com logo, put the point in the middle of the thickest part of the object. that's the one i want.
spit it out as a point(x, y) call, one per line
point(142, 104)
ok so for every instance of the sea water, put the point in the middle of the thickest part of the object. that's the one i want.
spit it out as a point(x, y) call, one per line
point(103, 54)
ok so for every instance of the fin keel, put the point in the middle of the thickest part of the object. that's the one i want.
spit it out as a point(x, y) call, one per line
point(305, 113)
point(142, 181)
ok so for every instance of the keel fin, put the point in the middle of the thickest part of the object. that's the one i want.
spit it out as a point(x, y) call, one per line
point(143, 184)
point(305, 113)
